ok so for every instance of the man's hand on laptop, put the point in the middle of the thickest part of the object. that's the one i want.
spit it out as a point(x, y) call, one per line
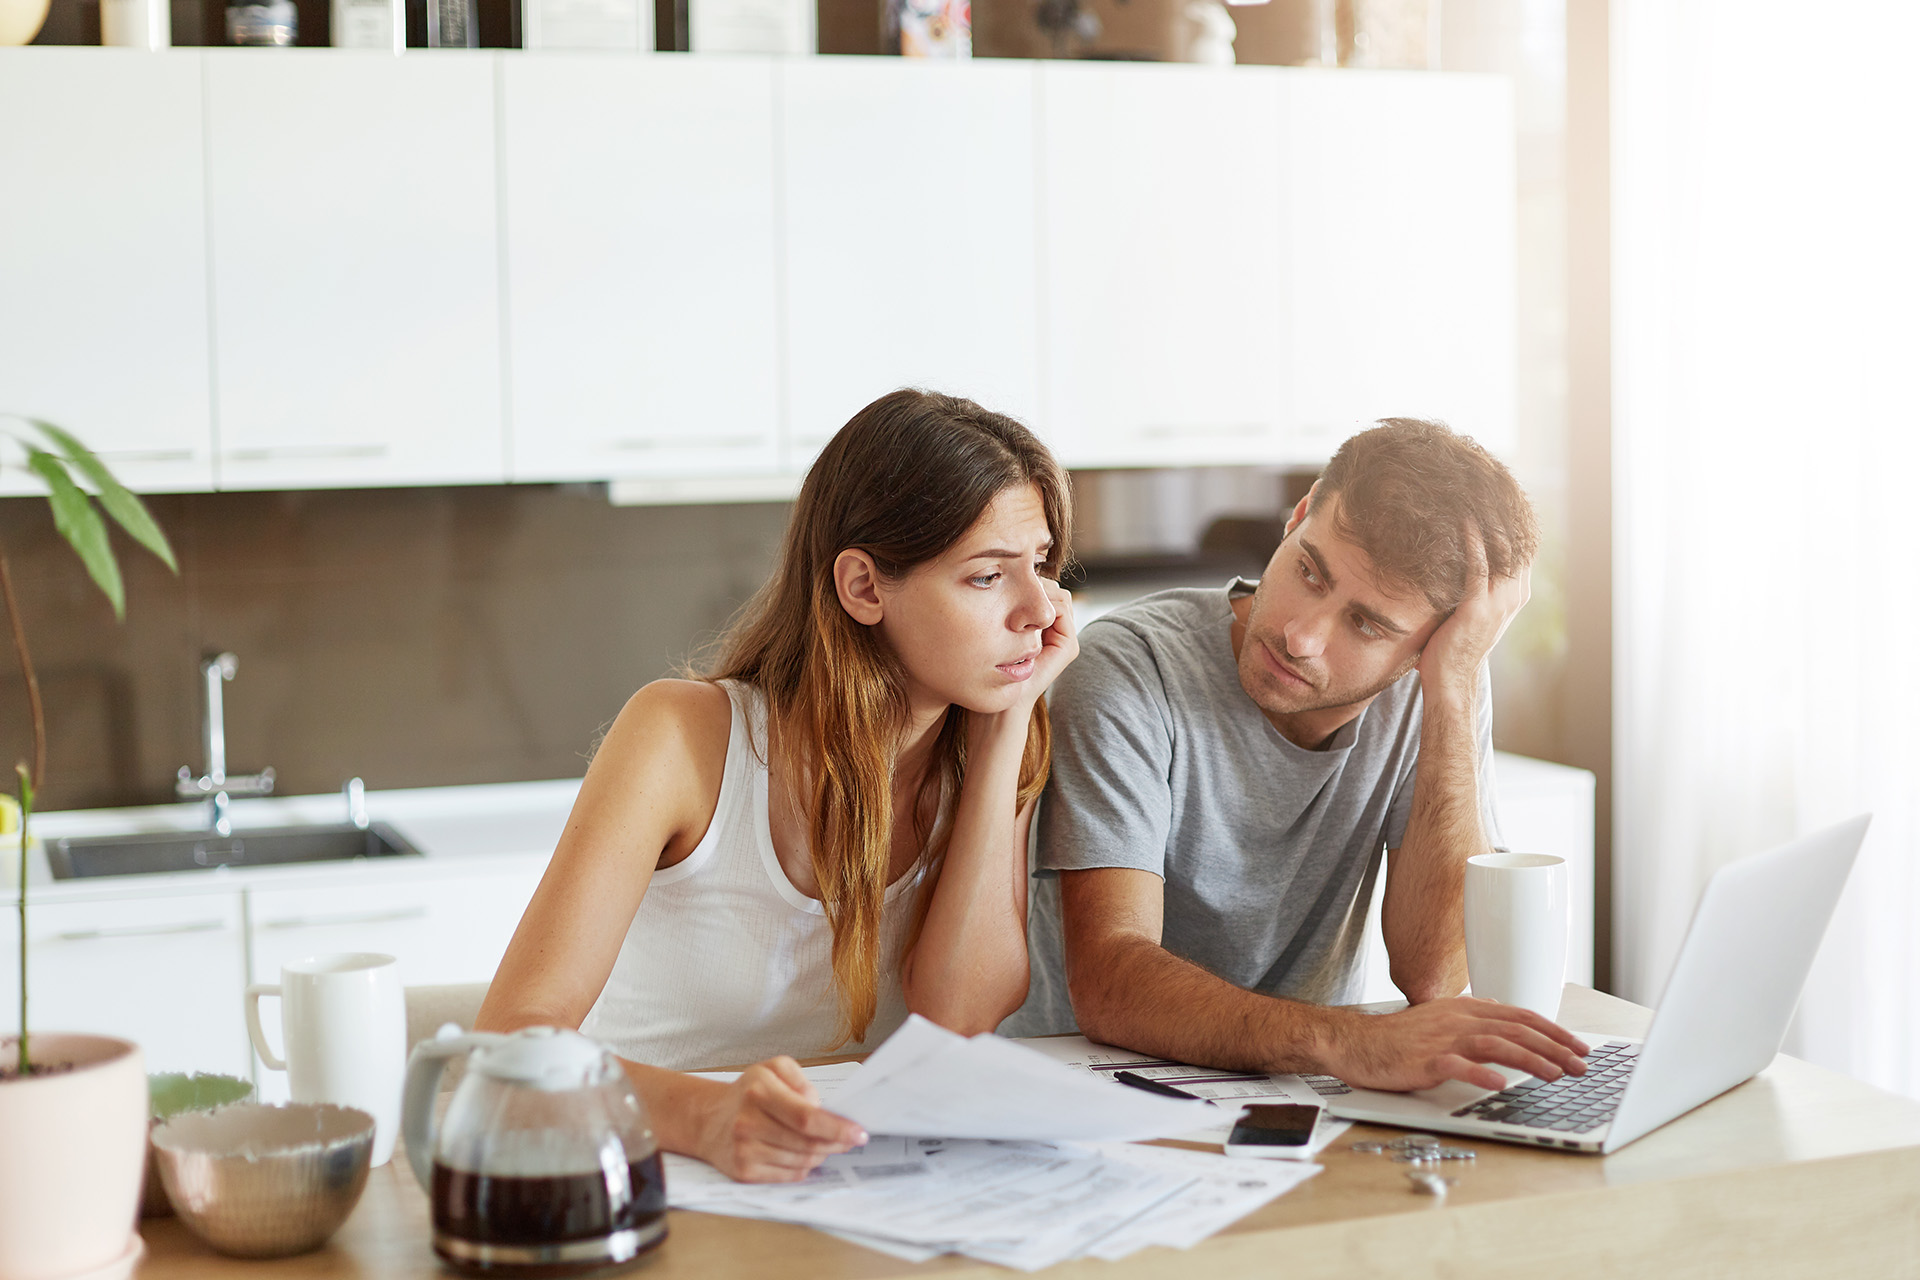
point(1452, 1039)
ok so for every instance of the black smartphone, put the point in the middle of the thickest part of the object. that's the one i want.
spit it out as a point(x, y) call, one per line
point(1270, 1129)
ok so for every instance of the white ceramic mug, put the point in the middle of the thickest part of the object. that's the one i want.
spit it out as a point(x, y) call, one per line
point(136, 24)
point(343, 1020)
point(1517, 929)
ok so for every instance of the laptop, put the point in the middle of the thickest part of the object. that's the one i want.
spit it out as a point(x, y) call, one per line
point(1720, 1020)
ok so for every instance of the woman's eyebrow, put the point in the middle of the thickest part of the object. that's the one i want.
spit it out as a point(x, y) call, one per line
point(1001, 553)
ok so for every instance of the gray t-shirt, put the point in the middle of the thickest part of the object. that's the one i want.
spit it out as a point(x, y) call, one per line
point(1269, 851)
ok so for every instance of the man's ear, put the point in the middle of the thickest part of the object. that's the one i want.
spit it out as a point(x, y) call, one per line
point(1300, 508)
point(856, 580)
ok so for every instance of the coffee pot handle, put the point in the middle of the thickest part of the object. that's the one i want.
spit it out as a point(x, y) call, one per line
point(424, 1069)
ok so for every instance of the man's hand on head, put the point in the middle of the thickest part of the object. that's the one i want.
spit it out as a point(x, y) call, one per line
point(1451, 660)
point(1452, 1039)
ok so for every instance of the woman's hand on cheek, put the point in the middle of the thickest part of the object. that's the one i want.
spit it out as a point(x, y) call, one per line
point(1060, 643)
point(769, 1126)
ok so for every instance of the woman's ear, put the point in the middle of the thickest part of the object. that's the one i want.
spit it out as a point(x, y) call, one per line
point(857, 582)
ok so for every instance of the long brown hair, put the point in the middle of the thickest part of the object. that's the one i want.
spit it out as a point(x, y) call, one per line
point(903, 481)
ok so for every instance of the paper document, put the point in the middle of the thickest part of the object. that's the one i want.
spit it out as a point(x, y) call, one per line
point(926, 1080)
point(1230, 1089)
point(1019, 1204)
point(1223, 1192)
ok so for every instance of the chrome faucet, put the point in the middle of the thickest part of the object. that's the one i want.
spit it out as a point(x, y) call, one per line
point(355, 792)
point(215, 786)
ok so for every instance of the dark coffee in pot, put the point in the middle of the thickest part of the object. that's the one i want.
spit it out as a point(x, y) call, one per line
point(558, 1225)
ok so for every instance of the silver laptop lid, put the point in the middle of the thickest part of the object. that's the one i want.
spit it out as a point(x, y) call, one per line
point(1739, 974)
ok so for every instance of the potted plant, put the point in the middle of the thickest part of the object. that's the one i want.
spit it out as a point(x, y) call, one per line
point(73, 1108)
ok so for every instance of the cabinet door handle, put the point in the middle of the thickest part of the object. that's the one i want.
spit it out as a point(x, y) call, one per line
point(142, 931)
point(635, 444)
point(1232, 430)
point(347, 917)
point(277, 452)
point(145, 455)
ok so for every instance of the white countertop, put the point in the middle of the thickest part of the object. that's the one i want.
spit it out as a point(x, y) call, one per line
point(451, 826)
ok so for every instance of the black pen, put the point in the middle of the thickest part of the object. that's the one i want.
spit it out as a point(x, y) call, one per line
point(1154, 1086)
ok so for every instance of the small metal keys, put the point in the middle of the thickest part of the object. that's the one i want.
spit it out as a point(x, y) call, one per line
point(1424, 1152)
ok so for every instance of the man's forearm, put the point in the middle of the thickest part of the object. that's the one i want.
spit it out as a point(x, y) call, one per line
point(1136, 994)
point(1422, 915)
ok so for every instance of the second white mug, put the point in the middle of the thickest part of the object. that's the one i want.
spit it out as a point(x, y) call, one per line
point(1517, 929)
point(343, 1020)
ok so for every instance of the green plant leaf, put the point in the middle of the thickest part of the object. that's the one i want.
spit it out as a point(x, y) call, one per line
point(26, 788)
point(80, 525)
point(119, 502)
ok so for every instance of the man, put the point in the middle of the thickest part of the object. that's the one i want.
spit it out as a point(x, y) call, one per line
point(1230, 764)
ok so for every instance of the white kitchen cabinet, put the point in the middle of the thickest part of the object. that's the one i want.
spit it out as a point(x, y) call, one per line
point(909, 235)
point(1164, 320)
point(333, 268)
point(356, 268)
point(103, 267)
point(1401, 262)
point(445, 929)
point(641, 240)
point(165, 972)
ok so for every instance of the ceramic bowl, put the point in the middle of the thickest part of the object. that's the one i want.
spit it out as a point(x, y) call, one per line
point(257, 1181)
point(170, 1093)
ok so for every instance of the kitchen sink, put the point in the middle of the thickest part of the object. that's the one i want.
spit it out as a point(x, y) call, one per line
point(75, 858)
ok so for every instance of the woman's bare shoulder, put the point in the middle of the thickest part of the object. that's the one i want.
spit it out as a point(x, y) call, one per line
point(694, 715)
point(670, 744)
point(660, 766)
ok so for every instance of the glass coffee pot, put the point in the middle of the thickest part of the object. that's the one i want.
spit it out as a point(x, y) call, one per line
point(544, 1164)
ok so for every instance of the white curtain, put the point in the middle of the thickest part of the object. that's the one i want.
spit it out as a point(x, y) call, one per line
point(1766, 224)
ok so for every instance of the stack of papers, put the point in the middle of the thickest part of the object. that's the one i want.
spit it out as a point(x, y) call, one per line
point(1024, 1205)
point(926, 1080)
point(984, 1147)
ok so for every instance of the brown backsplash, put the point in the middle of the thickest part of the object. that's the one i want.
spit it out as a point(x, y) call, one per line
point(427, 637)
point(412, 637)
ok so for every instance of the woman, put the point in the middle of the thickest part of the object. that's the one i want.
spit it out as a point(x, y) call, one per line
point(828, 830)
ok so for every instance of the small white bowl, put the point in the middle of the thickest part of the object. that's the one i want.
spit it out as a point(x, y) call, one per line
point(257, 1181)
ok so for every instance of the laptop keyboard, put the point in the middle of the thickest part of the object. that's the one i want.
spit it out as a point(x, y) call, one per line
point(1571, 1104)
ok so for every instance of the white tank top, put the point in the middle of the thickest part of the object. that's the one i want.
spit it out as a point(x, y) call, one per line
point(726, 962)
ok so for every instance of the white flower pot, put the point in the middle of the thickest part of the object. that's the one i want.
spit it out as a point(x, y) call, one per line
point(73, 1147)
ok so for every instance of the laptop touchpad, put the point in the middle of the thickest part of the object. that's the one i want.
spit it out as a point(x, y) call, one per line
point(1455, 1094)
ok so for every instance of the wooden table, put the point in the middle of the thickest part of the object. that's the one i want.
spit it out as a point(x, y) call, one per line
point(1798, 1172)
